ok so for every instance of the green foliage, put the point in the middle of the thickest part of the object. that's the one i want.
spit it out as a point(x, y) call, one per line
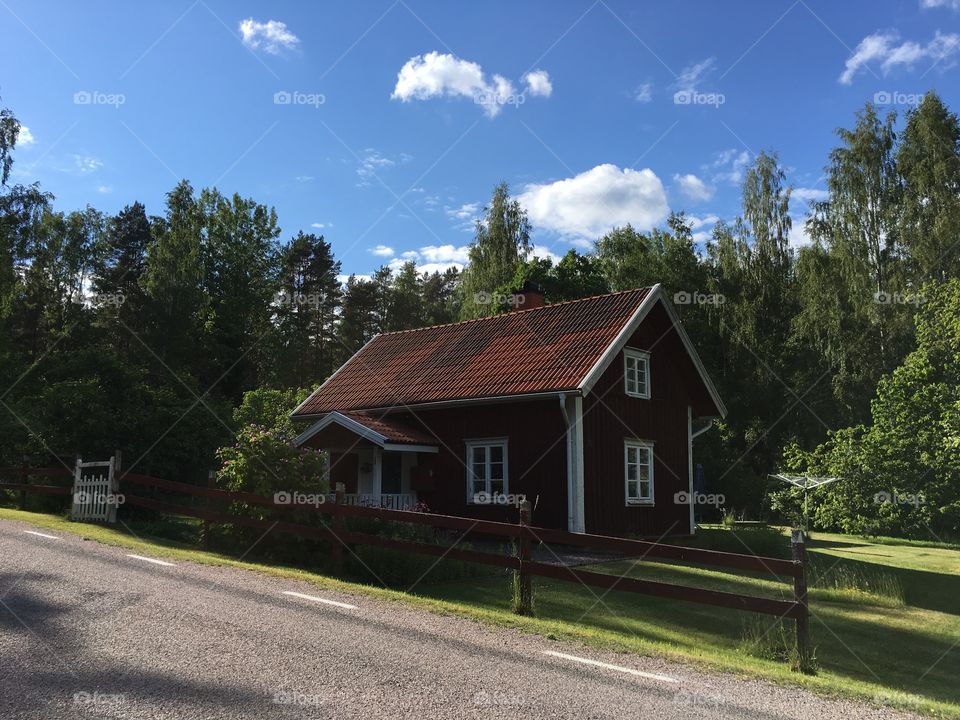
point(901, 472)
point(500, 245)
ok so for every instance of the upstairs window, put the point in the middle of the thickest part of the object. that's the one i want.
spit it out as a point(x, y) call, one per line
point(486, 467)
point(636, 373)
point(638, 472)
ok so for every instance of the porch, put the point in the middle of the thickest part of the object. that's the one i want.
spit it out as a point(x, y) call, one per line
point(379, 461)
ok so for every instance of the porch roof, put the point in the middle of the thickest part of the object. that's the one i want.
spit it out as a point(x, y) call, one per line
point(383, 431)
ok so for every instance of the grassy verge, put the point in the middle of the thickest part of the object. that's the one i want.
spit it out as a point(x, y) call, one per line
point(869, 645)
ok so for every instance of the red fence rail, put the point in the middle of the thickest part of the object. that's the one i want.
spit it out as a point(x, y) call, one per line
point(335, 531)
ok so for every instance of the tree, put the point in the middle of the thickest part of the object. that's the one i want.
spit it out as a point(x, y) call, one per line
point(359, 320)
point(173, 280)
point(306, 314)
point(501, 242)
point(928, 160)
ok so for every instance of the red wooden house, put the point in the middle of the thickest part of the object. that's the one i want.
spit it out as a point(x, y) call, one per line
point(586, 407)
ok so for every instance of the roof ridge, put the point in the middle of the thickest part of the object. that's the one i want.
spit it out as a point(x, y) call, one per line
point(515, 312)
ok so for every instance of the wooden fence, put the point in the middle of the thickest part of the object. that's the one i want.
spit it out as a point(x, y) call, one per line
point(522, 533)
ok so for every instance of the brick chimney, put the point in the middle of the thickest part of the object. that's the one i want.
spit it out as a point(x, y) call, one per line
point(527, 297)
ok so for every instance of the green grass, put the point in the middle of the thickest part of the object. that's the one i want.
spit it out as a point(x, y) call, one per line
point(886, 616)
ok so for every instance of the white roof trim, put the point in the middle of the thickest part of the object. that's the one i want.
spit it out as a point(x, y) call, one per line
point(655, 295)
point(620, 341)
point(361, 430)
point(345, 422)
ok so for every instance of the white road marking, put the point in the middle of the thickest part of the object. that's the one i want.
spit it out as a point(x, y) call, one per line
point(347, 606)
point(151, 560)
point(34, 532)
point(608, 666)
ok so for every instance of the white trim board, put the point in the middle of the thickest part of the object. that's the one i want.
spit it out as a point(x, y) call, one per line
point(362, 430)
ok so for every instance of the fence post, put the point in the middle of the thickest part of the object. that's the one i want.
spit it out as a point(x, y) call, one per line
point(523, 601)
point(337, 525)
point(205, 528)
point(24, 468)
point(799, 548)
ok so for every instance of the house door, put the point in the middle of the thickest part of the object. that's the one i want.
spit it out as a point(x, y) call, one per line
point(390, 474)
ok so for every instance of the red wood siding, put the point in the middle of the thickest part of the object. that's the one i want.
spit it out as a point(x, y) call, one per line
point(536, 452)
point(610, 416)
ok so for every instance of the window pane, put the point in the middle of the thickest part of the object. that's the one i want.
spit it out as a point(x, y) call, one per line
point(645, 490)
point(496, 487)
point(496, 470)
point(632, 490)
point(632, 454)
point(479, 454)
point(479, 486)
point(479, 470)
point(496, 453)
point(631, 472)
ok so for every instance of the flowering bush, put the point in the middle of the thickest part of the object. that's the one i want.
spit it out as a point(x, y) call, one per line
point(265, 461)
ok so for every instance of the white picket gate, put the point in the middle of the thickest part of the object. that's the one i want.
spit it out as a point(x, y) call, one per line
point(95, 491)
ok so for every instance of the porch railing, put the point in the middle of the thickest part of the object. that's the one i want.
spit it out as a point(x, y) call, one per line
point(390, 501)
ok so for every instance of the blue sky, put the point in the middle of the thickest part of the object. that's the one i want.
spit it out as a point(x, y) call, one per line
point(385, 125)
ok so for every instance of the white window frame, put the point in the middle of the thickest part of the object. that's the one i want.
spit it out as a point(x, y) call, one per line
point(486, 443)
point(639, 356)
point(633, 443)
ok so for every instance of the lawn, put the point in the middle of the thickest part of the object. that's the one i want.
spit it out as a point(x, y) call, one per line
point(886, 615)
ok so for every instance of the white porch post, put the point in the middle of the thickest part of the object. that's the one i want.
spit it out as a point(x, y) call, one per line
point(377, 472)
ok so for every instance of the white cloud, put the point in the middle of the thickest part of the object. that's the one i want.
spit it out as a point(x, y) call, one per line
point(25, 139)
point(435, 74)
point(434, 258)
point(809, 195)
point(798, 236)
point(728, 166)
point(591, 203)
point(952, 4)
point(84, 164)
point(696, 222)
point(693, 187)
point(373, 162)
point(538, 83)
point(382, 251)
point(304, 178)
point(882, 47)
point(320, 225)
point(272, 36)
point(644, 93)
point(542, 251)
point(690, 76)
point(104, 189)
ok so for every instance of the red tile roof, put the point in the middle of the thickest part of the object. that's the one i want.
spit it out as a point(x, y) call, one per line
point(392, 431)
point(543, 349)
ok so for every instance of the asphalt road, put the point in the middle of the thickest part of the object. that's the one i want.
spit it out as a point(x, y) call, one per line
point(88, 631)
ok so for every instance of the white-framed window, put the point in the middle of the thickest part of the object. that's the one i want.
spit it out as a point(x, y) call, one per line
point(486, 467)
point(636, 373)
point(638, 472)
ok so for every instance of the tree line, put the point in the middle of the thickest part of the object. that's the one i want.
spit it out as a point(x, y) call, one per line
point(146, 331)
